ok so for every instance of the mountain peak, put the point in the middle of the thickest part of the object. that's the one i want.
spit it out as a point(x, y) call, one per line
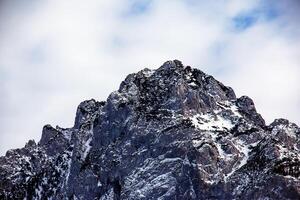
point(175, 87)
point(170, 133)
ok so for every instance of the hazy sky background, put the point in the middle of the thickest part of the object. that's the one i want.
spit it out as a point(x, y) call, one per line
point(55, 54)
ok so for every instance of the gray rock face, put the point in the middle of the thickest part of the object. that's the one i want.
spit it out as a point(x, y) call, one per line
point(170, 133)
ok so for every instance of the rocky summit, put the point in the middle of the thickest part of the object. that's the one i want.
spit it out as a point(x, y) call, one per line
point(170, 133)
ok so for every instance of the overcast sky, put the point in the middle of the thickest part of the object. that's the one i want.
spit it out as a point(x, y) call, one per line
point(55, 54)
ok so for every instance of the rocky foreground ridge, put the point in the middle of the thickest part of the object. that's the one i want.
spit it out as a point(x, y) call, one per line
point(170, 133)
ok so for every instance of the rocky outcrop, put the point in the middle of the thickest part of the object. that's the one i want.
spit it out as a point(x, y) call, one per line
point(170, 133)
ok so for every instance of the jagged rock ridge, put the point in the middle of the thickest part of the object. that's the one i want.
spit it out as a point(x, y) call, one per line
point(170, 133)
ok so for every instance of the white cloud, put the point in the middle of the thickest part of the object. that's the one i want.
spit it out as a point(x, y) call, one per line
point(55, 54)
point(266, 68)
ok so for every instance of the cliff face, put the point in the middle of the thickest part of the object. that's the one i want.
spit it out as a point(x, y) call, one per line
point(170, 133)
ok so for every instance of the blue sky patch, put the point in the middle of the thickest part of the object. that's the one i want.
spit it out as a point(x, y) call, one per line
point(242, 22)
point(264, 12)
point(269, 13)
point(138, 7)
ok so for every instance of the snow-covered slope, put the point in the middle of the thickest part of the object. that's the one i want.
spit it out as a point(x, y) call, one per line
point(170, 133)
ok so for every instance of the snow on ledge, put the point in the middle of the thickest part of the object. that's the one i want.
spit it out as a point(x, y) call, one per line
point(211, 122)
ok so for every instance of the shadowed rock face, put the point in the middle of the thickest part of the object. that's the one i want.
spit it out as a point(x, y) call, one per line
point(170, 133)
